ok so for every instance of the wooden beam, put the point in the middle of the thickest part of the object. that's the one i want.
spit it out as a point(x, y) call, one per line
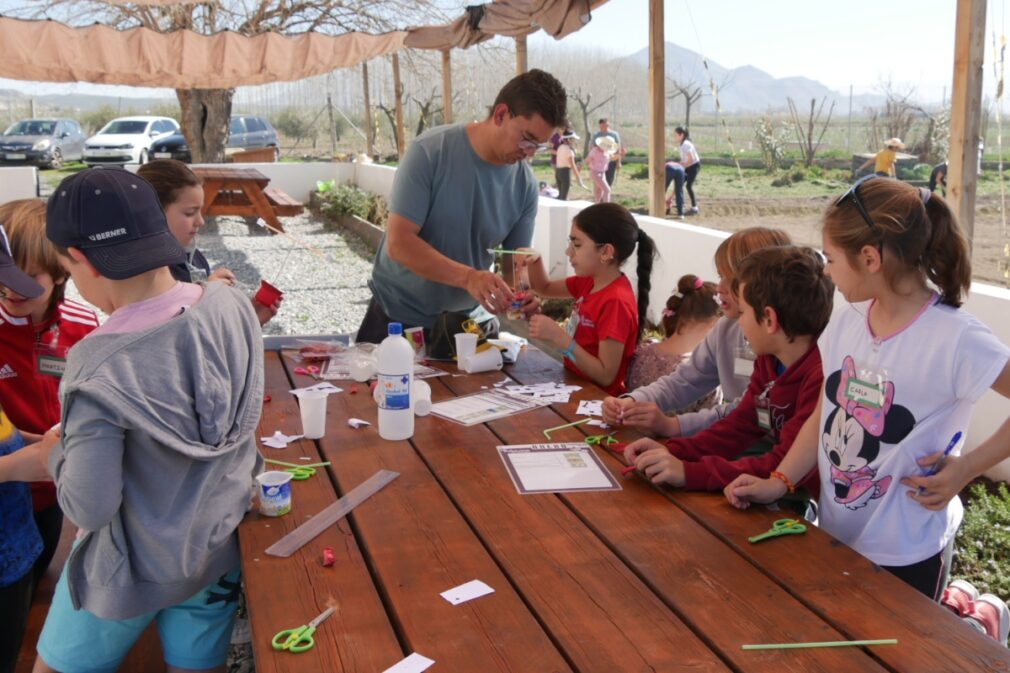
point(521, 66)
point(401, 144)
point(369, 126)
point(657, 110)
point(966, 112)
point(447, 86)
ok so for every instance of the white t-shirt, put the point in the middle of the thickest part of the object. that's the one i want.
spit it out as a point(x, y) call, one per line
point(932, 372)
point(566, 156)
point(688, 154)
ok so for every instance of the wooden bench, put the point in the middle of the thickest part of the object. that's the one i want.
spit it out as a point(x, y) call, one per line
point(283, 203)
point(260, 155)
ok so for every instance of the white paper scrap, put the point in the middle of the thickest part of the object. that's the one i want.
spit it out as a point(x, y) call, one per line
point(324, 387)
point(415, 663)
point(598, 423)
point(279, 440)
point(467, 592)
point(357, 423)
point(590, 408)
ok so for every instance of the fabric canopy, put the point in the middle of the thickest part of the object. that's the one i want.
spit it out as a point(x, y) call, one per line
point(50, 51)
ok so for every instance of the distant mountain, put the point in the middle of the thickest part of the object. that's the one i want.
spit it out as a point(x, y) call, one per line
point(745, 88)
point(70, 103)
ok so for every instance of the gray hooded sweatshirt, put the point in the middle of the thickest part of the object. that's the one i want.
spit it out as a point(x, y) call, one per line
point(710, 365)
point(158, 455)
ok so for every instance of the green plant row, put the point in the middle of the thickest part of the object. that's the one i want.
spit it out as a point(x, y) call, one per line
point(348, 200)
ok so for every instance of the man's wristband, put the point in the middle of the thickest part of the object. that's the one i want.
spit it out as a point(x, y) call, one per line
point(570, 351)
point(785, 480)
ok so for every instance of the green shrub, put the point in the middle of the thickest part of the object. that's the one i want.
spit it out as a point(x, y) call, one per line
point(798, 173)
point(349, 200)
point(983, 542)
point(782, 181)
point(640, 173)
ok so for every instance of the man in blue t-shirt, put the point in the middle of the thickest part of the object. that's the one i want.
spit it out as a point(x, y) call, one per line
point(461, 190)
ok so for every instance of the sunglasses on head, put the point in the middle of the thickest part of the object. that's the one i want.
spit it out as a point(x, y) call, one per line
point(853, 196)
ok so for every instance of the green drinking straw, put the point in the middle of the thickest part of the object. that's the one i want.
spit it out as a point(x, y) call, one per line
point(282, 463)
point(830, 643)
point(548, 431)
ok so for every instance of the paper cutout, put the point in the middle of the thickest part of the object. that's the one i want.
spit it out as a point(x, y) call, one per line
point(325, 387)
point(552, 393)
point(279, 440)
point(415, 663)
point(598, 423)
point(357, 423)
point(466, 592)
point(590, 408)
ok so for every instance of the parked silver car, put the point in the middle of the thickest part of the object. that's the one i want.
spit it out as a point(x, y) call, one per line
point(43, 142)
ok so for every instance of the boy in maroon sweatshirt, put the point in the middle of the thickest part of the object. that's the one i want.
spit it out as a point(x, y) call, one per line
point(786, 302)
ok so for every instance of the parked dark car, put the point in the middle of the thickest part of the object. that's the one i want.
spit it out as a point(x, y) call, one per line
point(43, 142)
point(245, 132)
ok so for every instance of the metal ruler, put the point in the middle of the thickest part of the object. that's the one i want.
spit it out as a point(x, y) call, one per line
point(304, 534)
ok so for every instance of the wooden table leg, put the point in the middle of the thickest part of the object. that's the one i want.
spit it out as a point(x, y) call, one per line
point(263, 207)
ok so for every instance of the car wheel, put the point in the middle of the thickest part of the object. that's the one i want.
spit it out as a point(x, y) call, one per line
point(56, 163)
point(143, 158)
point(277, 154)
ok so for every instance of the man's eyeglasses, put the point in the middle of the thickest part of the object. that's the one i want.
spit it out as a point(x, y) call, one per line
point(531, 146)
point(853, 195)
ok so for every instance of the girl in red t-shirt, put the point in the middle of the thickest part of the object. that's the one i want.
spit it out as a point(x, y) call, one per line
point(604, 327)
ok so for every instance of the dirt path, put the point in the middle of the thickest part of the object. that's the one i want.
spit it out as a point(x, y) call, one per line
point(801, 219)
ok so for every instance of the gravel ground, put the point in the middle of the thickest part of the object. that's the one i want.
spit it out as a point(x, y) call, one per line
point(321, 296)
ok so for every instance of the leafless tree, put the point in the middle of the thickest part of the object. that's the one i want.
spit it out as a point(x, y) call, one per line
point(806, 129)
point(585, 100)
point(206, 112)
point(689, 91)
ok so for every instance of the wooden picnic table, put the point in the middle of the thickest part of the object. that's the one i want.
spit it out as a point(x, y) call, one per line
point(231, 190)
point(640, 579)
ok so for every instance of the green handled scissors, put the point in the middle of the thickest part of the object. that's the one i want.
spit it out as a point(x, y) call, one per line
point(781, 527)
point(298, 472)
point(300, 639)
point(602, 440)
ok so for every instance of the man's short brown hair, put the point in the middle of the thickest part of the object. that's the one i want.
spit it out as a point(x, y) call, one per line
point(535, 92)
point(791, 280)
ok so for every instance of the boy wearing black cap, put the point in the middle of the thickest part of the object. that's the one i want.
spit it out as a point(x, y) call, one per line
point(160, 405)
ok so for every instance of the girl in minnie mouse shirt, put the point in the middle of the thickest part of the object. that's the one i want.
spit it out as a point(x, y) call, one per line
point(903, 365)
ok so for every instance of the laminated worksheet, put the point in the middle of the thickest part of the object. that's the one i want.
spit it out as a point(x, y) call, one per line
point(484, 406)
point(556, 468)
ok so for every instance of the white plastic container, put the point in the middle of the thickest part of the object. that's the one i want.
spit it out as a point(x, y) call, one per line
point(395, 358)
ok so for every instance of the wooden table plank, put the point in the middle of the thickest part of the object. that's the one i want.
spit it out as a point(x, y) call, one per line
point(285, 593)
point(419, 545)
point(702, 581)
point(856, 597)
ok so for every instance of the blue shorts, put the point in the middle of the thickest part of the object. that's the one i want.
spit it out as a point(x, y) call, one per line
point(194, 634)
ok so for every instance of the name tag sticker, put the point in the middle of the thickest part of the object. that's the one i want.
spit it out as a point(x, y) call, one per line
point(865, 393)
point(51, 365)
point(764, 418)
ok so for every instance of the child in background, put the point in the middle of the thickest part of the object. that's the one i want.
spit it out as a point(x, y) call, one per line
point(691, 163)
point(886, 160)
point(723, 359)
point(690, 314)
point(604, 327)
point(903, 365)
point(158, 450)
point(597, 161)
point(35, 335)
point(180, 191)
point(785, 302)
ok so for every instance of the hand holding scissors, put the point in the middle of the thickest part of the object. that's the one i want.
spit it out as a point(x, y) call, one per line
point(781, 527)
point(300, 639)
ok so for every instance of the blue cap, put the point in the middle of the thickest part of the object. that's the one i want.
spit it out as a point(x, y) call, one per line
point(395, 328)
point(115, 219)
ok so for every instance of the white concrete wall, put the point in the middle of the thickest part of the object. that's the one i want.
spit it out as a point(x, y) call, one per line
point(375, 179)
point(18, 182)
point(297, 180)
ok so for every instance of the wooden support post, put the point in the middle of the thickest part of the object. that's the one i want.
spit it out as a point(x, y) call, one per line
point(966, 112)
point(521, 66)
point(398, 94)
point(447, 87)
point(657, 110)
point(369, 126)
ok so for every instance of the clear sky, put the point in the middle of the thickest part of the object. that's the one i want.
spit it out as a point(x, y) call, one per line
point(857, 42)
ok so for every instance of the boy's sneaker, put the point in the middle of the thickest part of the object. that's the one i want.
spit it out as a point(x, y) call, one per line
point(693, 211)
point(959, 596)
point(993, 614)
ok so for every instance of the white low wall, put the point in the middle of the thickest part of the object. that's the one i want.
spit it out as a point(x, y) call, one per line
point(18, 182)
point(297, 180)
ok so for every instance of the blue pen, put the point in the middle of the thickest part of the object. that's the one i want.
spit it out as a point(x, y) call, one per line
point(939, 463)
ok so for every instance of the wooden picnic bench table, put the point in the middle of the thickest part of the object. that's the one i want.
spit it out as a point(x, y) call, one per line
point(640, 579)
point(232, 190)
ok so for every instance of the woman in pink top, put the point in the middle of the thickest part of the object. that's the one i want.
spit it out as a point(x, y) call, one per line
point(597, 160)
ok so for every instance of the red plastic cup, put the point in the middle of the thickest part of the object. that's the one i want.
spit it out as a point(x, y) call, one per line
point(268, 294)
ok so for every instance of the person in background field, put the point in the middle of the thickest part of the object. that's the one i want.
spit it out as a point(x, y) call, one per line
point(903, 366)
point(157, 450)
point(676, 174)
point(180, 191)
point(691, 162)
point(785, 301)
point(885, 160)
point(938, 176)
point(36, 333)
point(567, 165)
point(606, 323)
point(553, 144)
point(722, 360)
point(460, 191)
point(689, 315)
point(599, 155)
point(614, 161)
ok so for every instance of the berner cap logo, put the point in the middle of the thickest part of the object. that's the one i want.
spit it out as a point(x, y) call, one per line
point(101, 236)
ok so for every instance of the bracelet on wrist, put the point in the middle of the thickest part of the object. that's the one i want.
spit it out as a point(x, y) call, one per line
point(785, 480)
point(570, 351)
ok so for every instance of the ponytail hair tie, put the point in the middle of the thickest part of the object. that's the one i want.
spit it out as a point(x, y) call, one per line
point(925, 195)
point(668, 313)
point(698, 283)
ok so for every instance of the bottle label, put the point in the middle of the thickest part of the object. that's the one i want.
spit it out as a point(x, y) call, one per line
point(395, 391)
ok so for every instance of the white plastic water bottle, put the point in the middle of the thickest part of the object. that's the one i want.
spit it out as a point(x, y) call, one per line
point(396, 373)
